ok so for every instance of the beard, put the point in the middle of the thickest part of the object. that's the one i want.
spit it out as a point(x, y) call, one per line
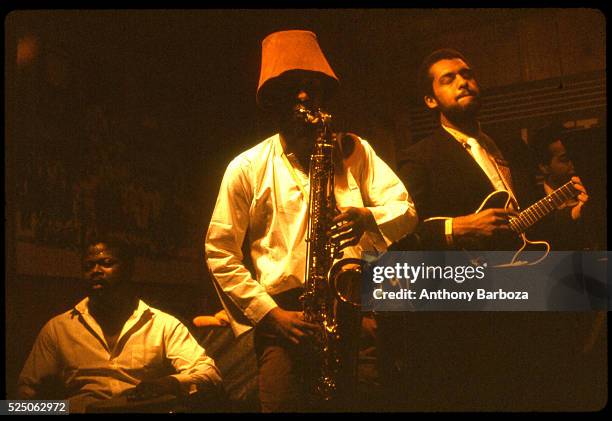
point(460, 112)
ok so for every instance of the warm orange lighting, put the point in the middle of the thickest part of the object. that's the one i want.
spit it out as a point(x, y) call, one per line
point(27, 50)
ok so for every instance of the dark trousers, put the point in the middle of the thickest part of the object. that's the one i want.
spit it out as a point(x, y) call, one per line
point(279, 364)
point(286, 371)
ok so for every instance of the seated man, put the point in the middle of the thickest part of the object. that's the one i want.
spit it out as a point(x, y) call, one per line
point(112, 344)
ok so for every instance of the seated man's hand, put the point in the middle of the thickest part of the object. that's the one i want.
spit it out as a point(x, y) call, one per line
point(219, 319)
point(222, 317)
point(149, 389)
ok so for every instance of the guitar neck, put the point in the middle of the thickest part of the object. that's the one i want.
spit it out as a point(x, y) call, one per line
point(543, 207)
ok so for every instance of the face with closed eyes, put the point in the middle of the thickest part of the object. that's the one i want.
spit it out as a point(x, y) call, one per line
point(456, 93)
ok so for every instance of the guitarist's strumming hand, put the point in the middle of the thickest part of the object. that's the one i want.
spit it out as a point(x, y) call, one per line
point(482, 225)
point(582, 197)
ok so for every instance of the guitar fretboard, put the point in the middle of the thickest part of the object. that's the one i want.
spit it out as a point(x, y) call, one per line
point(543, 207)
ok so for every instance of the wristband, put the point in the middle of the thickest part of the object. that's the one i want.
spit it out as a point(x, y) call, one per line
point(448, 231)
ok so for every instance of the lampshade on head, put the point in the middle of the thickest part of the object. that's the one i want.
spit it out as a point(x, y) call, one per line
point(286, 57)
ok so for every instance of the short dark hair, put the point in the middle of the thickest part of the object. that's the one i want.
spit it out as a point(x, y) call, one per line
point(123, 249)
point(542, 137)
point(425, 81)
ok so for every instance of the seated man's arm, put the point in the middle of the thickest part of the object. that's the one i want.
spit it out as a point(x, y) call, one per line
point(188, 358)
point(42, 363)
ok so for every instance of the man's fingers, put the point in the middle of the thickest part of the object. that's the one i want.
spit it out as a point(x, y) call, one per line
point(500, 220)
point(297, 333)
point(307, 326)
point(347, 235)
point(303, 324)
point(293, 339)
point(498, 211)
point(352, 242)
point(340, 229)
point(580, 188)
point(344, 216)
point(499, 216)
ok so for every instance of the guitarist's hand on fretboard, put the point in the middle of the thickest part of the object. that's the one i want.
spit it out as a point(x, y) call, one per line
point(582, 197)
point(482, 225)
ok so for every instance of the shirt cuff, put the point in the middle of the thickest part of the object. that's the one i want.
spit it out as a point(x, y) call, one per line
point(392, 229)
point(185, 381)
point(259, 307)
point(189, 386)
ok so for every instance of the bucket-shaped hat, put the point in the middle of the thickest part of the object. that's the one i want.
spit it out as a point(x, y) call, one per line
point(286, 54)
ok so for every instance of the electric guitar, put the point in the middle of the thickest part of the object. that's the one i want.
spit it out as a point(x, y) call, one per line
point(524, 220)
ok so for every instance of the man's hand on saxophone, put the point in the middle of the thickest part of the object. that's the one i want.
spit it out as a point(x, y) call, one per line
point(350, 225)
point(289, 324)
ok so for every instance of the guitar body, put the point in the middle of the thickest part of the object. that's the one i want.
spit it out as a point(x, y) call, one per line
point(497, 199)
point(515, 241)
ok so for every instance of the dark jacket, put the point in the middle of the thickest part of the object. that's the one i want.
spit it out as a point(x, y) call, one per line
point(444, 180)
point(497, 360)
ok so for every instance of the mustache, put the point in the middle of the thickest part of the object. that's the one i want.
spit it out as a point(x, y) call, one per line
point(467, 92)
point(98, 285)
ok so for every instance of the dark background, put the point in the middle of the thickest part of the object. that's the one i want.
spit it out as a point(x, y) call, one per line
point(125, 121)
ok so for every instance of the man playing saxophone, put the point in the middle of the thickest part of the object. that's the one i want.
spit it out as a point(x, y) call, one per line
point(265, 193)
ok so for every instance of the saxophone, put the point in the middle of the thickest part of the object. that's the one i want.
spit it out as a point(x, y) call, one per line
point(331, 290)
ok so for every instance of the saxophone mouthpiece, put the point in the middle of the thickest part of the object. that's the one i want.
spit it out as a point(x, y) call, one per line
point(312, 117)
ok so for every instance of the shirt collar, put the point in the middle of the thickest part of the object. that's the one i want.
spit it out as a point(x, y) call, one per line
point(83, 308)
point(278, 145)
point(483, 140)
point(460, 136)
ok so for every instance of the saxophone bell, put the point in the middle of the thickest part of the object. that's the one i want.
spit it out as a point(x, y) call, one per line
point(345, 279)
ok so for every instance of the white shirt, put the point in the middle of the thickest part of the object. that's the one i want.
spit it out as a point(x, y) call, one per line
point(483, 158)
point(152, 344)
point(266, 192)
